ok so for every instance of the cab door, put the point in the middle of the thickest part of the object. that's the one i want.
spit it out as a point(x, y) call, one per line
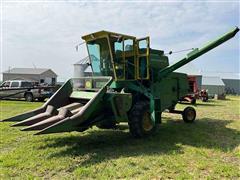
point(143, 58)
point(130, 58)
point(118, 57)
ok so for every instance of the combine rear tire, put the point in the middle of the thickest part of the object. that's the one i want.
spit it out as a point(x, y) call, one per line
point(29, 97)
point(189, 114)
point(140, 123)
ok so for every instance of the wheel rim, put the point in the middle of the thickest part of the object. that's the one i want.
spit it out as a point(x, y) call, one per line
point(29, 98)
point(190, 115)
point(147, 122)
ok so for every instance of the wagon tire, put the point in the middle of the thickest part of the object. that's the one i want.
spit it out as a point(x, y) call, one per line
point(140, 123)
point(189, 115)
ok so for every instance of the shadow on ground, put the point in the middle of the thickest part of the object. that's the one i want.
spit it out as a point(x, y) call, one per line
point(170, 138)
point(207, 104)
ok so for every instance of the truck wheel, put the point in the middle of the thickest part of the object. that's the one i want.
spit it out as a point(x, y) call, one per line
point(189, 114)
point(29, 97)
point(140, 123)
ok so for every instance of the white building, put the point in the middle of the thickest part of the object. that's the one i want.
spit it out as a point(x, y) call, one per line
point(231, 81)
point(213, 85)
point(40, 75)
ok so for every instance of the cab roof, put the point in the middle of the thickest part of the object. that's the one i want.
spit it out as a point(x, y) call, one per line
point(103, 33)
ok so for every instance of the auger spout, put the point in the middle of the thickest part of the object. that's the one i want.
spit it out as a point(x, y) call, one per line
point(198, 52)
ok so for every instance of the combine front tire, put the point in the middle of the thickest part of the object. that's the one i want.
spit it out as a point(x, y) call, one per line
point(189, 114)
point(140, 123)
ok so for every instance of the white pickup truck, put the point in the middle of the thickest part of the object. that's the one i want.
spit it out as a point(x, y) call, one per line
point(17, 89)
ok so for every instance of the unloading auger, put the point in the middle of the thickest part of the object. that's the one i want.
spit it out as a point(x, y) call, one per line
point(131, 83)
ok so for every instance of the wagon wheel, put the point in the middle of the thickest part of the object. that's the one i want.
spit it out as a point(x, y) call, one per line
point(140, 122)
point(189, 114)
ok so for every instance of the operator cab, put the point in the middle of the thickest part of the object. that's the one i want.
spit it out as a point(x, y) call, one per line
point(121, 56)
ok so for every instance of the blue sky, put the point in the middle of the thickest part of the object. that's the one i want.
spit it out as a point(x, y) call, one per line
point(44, 34)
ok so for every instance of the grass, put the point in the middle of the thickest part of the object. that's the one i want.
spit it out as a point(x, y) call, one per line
point(206, 149)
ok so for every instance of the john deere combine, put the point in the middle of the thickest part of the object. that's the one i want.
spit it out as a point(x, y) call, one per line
point(131, 83)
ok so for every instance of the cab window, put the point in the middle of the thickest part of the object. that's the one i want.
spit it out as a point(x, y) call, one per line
point(117, 48)
point(128, 45)
point(100, 57)
point(14, 84)
point(129, 58)
point(143, 58)
point(143, 46)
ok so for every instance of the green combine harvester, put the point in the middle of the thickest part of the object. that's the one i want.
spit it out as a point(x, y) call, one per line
point(131, 83)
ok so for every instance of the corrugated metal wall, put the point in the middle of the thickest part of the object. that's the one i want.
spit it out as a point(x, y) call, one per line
point(212, 89)
point(232, 86)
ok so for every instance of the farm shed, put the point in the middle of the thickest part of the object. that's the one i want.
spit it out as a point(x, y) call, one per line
point(230, 79)
point(232, 86)
point(214, 85)
point(40, 75)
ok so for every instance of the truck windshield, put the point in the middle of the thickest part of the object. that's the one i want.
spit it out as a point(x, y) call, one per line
point(100, 57)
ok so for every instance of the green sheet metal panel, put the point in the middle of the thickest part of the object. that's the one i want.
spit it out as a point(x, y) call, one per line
point(170, 89)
